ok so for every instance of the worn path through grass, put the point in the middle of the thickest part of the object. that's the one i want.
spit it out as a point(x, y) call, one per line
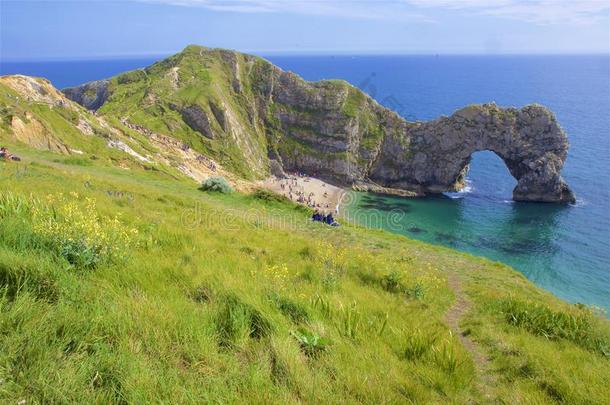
point(484, 373)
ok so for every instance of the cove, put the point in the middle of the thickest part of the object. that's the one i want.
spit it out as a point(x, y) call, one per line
point(533, 238)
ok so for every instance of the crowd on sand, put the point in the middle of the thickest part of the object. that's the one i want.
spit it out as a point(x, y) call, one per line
point(294, 193)
point(6, 155)
point(312, 192)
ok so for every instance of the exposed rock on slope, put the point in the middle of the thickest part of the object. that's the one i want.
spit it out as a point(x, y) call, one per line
point(246, 112)
point(34, 113)
point(90, 95)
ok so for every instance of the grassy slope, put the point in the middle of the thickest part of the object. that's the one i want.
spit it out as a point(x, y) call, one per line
point(202, 77)
point(209, 305)
point(148, 98)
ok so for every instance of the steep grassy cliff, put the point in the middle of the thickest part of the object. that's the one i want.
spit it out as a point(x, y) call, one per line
point(242, 111)
point(128, 286)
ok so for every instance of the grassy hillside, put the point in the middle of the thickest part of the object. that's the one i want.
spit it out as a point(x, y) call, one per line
point(130, 286)
point(244, 112)
point(198, 80)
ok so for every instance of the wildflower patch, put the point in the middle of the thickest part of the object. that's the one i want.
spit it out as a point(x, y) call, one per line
point(71, 227)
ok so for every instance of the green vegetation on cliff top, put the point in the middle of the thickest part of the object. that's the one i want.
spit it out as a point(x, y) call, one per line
point(126, 286)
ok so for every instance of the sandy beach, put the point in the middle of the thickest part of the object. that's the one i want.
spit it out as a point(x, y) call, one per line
point(308, 191)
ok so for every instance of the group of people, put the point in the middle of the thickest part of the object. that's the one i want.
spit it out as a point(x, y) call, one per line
point(4, 154)
point(296, 194)
point(324, 218)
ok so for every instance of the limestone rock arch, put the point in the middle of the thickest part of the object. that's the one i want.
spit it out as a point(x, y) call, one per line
point(435, 155)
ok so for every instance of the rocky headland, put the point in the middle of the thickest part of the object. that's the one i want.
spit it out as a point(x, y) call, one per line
point(255, 119)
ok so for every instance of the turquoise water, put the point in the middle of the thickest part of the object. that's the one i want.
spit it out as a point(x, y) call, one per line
point(565, 249)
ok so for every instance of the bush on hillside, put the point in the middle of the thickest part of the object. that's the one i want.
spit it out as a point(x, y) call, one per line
point(269, 196)
point(216, 184)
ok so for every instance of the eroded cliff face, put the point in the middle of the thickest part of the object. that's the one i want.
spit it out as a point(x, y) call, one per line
point(257, 117)
point(90, 95)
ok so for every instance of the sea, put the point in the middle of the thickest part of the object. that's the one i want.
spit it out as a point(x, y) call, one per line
point(562, 248)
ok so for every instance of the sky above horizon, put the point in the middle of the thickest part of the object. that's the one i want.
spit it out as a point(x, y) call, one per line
point(52, 29)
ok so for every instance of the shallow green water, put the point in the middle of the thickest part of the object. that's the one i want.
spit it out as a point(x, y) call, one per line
point(553, 245)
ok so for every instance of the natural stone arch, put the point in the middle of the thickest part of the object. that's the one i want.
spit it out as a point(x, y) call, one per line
point(487, 170)
point(433, 157)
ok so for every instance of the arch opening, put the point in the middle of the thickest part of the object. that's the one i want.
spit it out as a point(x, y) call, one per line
point(486, 173)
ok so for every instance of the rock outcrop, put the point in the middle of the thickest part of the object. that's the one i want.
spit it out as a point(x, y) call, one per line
point(252, 113)
point(90, 95)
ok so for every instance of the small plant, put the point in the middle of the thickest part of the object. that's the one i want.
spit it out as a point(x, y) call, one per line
point(216, 184)
point(392, 282)
point(384, 324)
point(417, 291)
point(295, 311)
point(323, 305)
point(418, 344)
point(446, 357)
point(311, 343)
point(351, 320)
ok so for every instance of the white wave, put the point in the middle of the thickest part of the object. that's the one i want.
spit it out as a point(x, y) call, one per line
point(468, 188)
point(580, 203)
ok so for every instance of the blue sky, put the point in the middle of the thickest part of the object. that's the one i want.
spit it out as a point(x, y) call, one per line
point(51, 29)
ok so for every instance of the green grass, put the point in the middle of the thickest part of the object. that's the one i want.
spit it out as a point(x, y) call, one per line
point(240, 298)
point(354, 102)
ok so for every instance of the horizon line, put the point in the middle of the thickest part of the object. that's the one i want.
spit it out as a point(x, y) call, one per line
point(263, 53)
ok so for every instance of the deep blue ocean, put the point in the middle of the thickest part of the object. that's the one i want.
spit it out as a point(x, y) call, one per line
point(565, 249)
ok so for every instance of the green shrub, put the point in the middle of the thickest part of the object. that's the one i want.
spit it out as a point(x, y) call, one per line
point(417, 291)
point(391, 282)
point(269, 196)
point(350, 321)
point(217, 184)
